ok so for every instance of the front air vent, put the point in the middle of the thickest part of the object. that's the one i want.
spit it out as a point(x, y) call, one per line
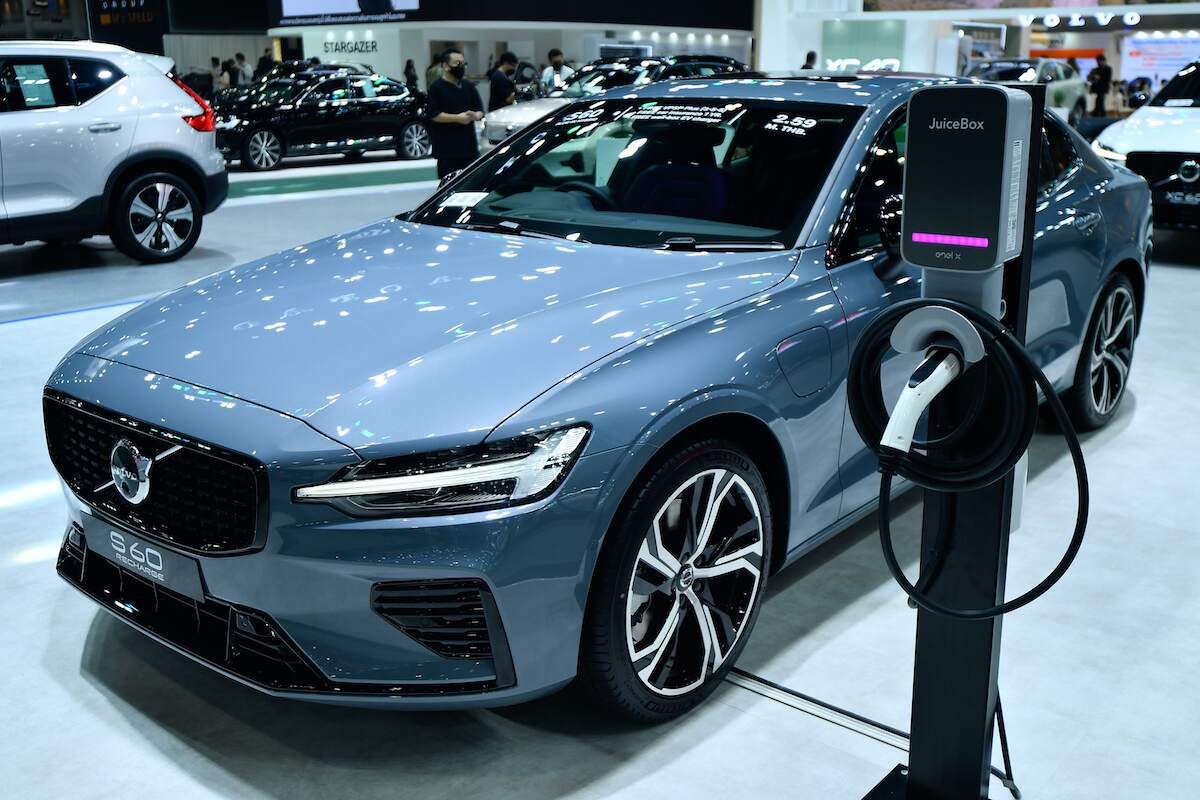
point(453, 618)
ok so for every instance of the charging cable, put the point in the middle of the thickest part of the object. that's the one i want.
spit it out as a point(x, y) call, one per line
point(1005, 373)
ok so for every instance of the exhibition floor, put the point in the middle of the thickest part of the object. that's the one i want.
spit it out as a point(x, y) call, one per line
point(1097, 678)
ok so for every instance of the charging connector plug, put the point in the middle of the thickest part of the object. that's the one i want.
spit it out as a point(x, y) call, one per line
point(937, 371)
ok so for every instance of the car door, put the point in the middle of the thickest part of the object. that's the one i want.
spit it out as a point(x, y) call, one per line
point(56, 154)
point(107, 113)
point(320, 118)
point(1069, 245)
point(866, 279)
point(381, 105)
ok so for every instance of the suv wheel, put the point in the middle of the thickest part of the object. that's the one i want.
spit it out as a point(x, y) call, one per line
point(678, 588)
point(1102, 375)
point(157, 218)
point(262, 150)
point(414, 141)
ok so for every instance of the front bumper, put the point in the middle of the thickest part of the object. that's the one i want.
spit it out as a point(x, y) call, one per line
point(312, 591)
point(1174, 186)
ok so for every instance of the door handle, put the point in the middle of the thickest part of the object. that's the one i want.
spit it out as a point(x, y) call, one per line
point(1086, 223)
point(104, 127)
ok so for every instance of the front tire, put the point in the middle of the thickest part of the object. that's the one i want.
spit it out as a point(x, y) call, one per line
point(1106, 358)
point(679, 584)
point(157, 218)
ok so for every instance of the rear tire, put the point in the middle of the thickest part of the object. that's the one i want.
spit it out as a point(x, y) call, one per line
point(414, 141)
point(1106, 358)
point(157, 218)
point(262, 150)
point(671, 607)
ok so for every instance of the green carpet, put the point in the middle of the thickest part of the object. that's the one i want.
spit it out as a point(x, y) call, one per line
point(345, 180)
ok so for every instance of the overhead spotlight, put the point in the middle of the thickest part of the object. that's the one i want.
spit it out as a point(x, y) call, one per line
point(654, 36)
point(691, 37)
point(724, 38)
point(637, 36)
point(708, 38)
point(673, 36)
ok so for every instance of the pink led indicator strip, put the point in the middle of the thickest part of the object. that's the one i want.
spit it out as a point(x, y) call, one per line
point(942, 238)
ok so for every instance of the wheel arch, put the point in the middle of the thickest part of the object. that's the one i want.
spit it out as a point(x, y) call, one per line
point(740, 427)
point(1133, 271)
point(153, 161)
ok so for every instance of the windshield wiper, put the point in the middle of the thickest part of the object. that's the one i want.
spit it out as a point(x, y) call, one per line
point(515, 228)
point(690, 243)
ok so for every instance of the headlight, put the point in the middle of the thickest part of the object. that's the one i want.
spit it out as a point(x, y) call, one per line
point(1104, 152)
point(505, 473)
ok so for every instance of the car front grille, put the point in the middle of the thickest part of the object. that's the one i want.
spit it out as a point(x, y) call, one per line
point(202, 498)
point(453, 618)
point(238, 640)
point(1157, 167)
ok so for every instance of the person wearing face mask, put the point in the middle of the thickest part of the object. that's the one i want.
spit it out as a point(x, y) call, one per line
point(555, 75)
point(453, 108)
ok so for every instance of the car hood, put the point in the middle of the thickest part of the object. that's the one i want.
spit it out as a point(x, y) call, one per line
point(400, 336)
point(1155, 128)
point(523, 114)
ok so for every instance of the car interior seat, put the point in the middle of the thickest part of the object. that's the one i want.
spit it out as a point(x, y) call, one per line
point(688, 182)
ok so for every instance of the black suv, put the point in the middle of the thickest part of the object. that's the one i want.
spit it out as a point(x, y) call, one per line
point(315, 113)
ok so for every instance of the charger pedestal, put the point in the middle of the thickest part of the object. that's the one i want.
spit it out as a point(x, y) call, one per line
point(957, 661)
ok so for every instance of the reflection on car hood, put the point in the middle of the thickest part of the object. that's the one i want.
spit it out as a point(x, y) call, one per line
point(1155, 128)
point(410, 336)
point(521, 115)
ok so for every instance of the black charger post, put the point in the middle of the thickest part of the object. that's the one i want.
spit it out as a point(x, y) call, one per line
point(970, 192)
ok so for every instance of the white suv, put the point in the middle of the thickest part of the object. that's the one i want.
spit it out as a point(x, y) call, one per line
point(98, 139)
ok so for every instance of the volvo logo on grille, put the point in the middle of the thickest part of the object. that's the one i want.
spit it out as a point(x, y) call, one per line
point(130, 471)
point(1189, 171)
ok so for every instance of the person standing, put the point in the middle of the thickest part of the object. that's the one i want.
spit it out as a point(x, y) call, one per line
point(410, 75)
point(810, 60)
point(266, 63)
point(245, 72)
point(503, 90)
point(453, 108)
point(433, 73)
point(555, 75)
point(1100, 83)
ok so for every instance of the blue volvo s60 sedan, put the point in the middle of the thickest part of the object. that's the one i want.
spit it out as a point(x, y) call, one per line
point(564, 419)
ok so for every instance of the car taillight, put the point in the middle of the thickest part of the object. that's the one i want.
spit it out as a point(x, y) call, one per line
point(204, 121)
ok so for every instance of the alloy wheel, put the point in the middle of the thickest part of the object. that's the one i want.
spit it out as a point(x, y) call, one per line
point(415, 141)
point(161, 218)
point(695, 582)
point(264, 149)
point(1112, 350)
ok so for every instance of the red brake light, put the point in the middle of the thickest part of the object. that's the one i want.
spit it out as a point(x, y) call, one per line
point(204, 121)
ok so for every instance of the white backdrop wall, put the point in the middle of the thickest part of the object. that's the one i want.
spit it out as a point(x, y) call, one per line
point(191, 51)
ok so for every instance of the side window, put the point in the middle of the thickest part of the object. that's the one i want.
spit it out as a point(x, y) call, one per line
point(32, 83)
point(361, 87)
point(857, 232)
point(326, 91)
point(1058, 156)
point(92, 77)
point(1068, 72)
point(389, 89)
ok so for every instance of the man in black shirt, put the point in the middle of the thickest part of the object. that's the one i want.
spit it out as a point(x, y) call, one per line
point(1100, 83)
point(504, 91)
point(453, 107)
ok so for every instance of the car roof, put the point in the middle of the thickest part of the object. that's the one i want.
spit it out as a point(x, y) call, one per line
point(627, 61)
point(859, 89)
point(61, 46)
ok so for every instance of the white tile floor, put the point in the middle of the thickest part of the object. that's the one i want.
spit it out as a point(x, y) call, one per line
point(1098, 678)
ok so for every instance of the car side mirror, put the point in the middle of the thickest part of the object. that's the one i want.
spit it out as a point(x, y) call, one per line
point(1138, 99)
point(891, 212)
point(449, 177)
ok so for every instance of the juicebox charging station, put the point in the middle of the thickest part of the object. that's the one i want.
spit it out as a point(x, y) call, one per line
point(968, 211)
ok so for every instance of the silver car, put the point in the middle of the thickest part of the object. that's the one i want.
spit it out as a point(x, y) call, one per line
point(97, 139)
point(1066, 90)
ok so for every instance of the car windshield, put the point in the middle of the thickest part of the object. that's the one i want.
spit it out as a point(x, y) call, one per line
point(643, 172)
point(1183, 90)
point(601, 79)
point(1004, 71)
